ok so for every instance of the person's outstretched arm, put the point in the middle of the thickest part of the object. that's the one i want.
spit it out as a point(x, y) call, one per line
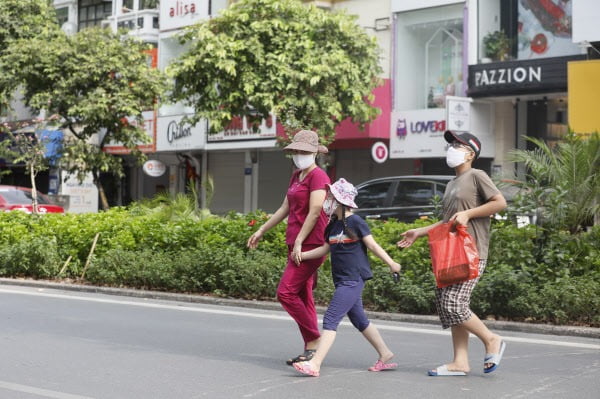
point(410, 236)
point(274, 220)
point(381, 254)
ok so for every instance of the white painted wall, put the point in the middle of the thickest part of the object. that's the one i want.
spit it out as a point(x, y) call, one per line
point(586, 14)
point(504, 134)
point(367, 12)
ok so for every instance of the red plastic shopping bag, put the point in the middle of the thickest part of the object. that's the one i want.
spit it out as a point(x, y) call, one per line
point(454, 256)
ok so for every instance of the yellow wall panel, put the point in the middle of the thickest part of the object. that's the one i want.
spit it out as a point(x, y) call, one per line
point(584, 96)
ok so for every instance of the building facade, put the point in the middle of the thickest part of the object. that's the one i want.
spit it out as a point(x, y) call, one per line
point(497, 68)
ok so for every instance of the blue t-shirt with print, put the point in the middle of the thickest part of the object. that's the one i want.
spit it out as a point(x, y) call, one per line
point(349, 260)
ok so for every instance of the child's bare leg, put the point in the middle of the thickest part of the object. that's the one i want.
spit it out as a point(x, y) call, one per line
point(372, 335)
point(325, 343)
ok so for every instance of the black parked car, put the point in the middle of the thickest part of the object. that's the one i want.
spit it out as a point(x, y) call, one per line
point(405, 198)
point(408, 198)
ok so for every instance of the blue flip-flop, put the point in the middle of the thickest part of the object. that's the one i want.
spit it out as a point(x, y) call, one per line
point(442, 371)
point(494, 358)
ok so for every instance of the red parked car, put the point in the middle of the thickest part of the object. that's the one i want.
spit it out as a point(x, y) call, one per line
point(14, 198)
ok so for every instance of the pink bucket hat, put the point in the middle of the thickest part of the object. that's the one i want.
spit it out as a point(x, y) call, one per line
point(344, 192)
point(306, 140)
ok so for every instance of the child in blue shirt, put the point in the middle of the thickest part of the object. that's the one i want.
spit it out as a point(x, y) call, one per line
point(347, 237)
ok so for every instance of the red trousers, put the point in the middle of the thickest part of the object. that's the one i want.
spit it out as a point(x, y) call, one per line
point(295, 293)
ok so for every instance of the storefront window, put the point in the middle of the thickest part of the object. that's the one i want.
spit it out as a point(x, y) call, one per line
point(443, 63)
point(429, 57)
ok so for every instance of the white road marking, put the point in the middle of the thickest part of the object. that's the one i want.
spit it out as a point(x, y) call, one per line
point(279, 317)
point(39, 391)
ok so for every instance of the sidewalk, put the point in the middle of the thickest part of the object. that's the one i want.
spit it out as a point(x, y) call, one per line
point(587, 332)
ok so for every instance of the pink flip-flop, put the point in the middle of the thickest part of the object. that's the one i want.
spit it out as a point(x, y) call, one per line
point(304, 368)
point(380, 366)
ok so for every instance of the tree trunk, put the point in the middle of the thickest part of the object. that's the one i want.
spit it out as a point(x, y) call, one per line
point(34, 198)
point(103, 199)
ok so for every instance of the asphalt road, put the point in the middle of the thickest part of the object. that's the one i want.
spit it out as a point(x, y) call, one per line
point(73, 345)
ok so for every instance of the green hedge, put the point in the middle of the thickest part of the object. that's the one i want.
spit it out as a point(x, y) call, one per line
point(532, 274)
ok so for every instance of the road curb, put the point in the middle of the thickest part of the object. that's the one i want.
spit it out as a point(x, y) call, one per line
point(587, 332)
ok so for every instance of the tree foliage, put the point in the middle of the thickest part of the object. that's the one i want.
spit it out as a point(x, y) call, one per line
point(23, 20)
point(98, 83)
point(310, 67)
point(563, 181)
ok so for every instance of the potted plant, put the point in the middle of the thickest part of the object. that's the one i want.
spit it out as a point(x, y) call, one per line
point(496, 45)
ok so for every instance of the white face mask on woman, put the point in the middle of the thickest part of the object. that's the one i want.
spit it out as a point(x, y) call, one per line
point(455, 157)
point(303, 161)
point(329, 206)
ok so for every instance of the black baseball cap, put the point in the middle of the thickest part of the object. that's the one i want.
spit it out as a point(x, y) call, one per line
point(464, 138)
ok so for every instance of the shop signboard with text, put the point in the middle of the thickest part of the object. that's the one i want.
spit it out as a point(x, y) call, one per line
point(418, 133)
point(176, 14)
point(519, 77)
point(83, 196)
point(241, 128)
point(150, 129)
point(174, 134)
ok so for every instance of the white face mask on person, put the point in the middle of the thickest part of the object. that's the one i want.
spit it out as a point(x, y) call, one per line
point(455, 157)
point(303, 161)
point(329, 206)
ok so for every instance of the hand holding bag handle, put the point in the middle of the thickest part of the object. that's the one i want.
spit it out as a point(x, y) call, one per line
point(454, 256)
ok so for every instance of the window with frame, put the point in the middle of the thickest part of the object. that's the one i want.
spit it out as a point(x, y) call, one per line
point(440, 189)
point(62, 15)
point(127, 6)
point(429, 59)
point(148, 4)
point(93, 12)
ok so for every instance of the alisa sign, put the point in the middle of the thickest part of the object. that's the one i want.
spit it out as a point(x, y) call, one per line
point(176, 14)
point(182, 8)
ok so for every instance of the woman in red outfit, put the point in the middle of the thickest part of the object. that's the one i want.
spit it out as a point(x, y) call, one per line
point(303, 207)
